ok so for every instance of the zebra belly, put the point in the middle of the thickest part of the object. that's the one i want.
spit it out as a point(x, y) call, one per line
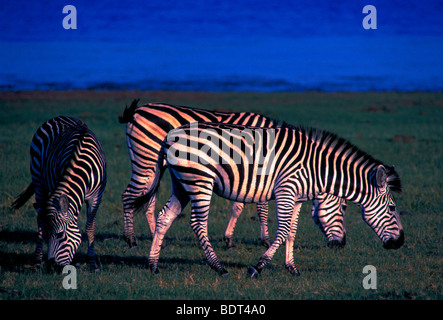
point(203, 179)
point(241, 187)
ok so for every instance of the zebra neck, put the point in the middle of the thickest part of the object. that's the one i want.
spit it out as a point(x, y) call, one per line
point(334, 165)
point(349, 180)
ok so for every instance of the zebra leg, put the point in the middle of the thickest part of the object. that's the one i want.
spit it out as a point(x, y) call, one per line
point(150, 216)
point(133, 191)
point(199, 223)
point(285, 211)
point(289, 260)
point(92, 208)
point(166, 216)
point(150, 213)
point(141, 184)
point(237, 208)
point(138, 186)
point(38, 255)
point(128, 197)
point(262, 210)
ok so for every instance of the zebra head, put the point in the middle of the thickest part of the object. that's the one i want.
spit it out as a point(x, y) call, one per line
point(328, 212)
point(64, 236)
point(380, 211)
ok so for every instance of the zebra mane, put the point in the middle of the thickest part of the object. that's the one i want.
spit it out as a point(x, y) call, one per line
point(351, 150)
point(80, 129)
point(74, 127)
point(394, 181)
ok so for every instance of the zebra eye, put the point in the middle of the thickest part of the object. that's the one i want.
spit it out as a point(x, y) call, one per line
point(392, 208)
point(59, 235)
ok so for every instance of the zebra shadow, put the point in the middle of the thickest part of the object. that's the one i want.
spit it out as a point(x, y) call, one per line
point(16, 261)
point(20, 261)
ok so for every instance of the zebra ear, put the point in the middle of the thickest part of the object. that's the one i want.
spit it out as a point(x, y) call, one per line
point(381, 177)
point(64, 203)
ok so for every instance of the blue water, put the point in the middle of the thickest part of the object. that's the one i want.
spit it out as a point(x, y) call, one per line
point(222, 45)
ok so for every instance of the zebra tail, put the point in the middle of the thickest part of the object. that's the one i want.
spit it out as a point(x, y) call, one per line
point(23, 197)
point(143, 201)
point(128, 113)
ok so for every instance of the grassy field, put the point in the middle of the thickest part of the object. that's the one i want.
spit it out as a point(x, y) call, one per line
point(403, 129)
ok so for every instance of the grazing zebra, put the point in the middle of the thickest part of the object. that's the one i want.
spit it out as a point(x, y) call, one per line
point(298, 164)
point(147, 127)
point(68, 168)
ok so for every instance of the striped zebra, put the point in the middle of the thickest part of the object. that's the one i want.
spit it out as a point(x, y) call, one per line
point(68, 168)
point(290, 166)
point(146, 128)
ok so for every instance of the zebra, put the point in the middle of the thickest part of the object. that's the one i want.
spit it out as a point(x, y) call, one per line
point(299, 162)
point(146, 128)
point(68, 167)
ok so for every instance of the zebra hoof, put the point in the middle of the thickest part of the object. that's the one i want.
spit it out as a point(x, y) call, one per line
point(336, 244)
point(131, 242)
point(93, 268)
point(224, 274)
point(293, 270)
point(229, 243)
point(266, 243)
point(296, 273)
point(155, 271)
point(96, 270)
point(253, 273)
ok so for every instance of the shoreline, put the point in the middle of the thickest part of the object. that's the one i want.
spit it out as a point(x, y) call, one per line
point(98, 93)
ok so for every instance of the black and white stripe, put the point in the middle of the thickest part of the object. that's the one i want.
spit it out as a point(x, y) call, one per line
point(330, 218)
point(299, 165)
point(68, 168)
point(147, 127)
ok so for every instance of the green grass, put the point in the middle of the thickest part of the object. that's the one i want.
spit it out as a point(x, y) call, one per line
point(404, 129)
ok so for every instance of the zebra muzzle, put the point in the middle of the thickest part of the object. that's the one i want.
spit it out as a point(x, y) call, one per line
point(53, 266)
point(337, 244)
point(395, 243)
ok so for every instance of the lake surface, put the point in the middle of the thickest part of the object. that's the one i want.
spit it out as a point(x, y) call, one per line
point(222, 46)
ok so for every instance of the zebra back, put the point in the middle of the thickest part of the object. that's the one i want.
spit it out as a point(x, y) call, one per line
point(66, 154)
point(147, 127)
